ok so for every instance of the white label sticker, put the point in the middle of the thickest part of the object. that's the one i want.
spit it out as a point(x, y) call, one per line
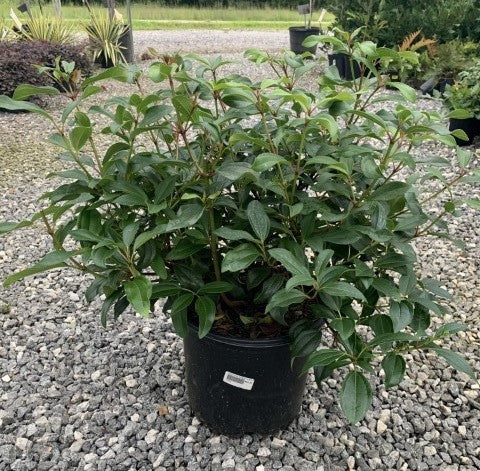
point(238, 381)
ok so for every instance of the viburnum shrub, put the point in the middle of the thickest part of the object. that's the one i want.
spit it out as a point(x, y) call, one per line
point(261, 208)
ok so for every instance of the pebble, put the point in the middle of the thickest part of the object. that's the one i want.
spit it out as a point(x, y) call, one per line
point(263, 452)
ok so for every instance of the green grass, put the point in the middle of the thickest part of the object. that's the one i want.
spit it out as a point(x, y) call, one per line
point(151, 16)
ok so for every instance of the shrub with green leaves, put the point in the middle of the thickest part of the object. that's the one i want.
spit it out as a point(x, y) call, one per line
point(388, 22)
point(465, 93)
point(260, 208)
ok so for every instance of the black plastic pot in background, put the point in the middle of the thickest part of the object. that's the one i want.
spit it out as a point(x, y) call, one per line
point(439, 85)
point(238, 386)
point(298, 34)
point(471, 127)
point(347, 69)
point(126, 45)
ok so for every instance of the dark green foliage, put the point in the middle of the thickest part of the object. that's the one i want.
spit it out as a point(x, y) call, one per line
point(261, 207)
point(388, 22)
point(19, 58)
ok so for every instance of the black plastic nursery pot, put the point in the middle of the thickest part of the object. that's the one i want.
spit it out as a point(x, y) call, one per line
point(237, 386)
point(428, 87)
point(348, 70)
point(298, 34)
point(471, 127)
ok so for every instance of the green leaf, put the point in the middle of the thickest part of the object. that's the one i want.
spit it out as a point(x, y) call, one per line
point(464, 157)
point(50, 261)
point(9, 226)
point(420, 319)
point(385, 339)
point(139, 292)
point(460, 114)
point(344, 326)
point(234, 234)
point(381, 324)
point(239, 258)
point(187, 216)
point(299, 280)
point(389, 191)
point(355, 396)
point(258, 219)
point(206, 310)
point(24, 91)
point(344, 290)
point(129, 233)
point(290, 262)
point(164, 289)
point(324, 357)
point(158, 266)
point(306, 336)
point(79, 136)
point(284, 298)
point(455, 360)
point(450, 329)
point(7, 103)
point(473, 203)
point(266, 161)
point(179, 313)
point(394, 367)
point(234, 170)
point(215, 287)
point(401, 315)
point(408, 92)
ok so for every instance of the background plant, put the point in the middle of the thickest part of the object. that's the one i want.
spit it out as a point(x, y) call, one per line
point(104, 34)
point(259, 208)
point(18, 61)
point(465, 93)
point(46, 28)
point(441, 20)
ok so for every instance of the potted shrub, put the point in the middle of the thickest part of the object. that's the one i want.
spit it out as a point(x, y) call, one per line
point(442, 66)
point(277, 223)
point(465, 95)
point(110, 39)
point(298, 34)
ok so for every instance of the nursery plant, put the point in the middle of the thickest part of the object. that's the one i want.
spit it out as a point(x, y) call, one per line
point(105, 35)
point(299, 33)
point(465, 94)
point(256, 211)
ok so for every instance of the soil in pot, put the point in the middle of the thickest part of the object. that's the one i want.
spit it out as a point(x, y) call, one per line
point(471, 127)
point(238, 386)
point(298, 34)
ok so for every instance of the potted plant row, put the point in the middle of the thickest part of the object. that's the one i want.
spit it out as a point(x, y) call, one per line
point(465, 94)
point(265, 215)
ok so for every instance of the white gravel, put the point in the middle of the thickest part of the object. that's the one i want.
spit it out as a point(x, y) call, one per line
point(75, 396)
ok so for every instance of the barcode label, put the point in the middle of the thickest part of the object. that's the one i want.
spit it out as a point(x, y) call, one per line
point(238, 381)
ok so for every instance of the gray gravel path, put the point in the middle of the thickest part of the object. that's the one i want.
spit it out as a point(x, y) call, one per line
point(75, 396)
point(209, 41)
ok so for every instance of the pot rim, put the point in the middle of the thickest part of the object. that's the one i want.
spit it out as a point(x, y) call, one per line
point(282, 341)
point(303, 28)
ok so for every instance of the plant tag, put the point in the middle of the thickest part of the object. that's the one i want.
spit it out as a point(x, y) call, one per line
point(238, 381)
point(304, 9)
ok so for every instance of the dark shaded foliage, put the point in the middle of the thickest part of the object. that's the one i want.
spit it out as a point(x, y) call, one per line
point(443, 20)
point(19, 58)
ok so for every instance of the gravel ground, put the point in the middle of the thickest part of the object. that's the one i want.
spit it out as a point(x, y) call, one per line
point(75, 396)
point(209, 42)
